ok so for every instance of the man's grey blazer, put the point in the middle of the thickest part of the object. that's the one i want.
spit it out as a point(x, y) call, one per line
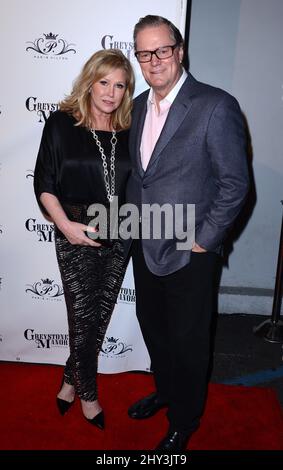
point(199, 158)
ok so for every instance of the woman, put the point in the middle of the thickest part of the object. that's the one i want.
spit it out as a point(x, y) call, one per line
point(83, 159)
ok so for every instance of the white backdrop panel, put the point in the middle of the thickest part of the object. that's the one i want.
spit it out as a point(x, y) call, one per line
point(43, 47)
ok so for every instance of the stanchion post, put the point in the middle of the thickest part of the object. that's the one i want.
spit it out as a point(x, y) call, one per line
point(272, 329)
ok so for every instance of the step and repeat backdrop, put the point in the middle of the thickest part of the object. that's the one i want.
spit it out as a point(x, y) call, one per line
point(43, 47)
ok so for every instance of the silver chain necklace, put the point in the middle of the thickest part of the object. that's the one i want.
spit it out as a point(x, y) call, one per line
point(109, 177)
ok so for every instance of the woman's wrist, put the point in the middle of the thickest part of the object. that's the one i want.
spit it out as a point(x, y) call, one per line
point(62, 224)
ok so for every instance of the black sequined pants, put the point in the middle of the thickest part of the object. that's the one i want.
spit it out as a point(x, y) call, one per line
point(91, 280)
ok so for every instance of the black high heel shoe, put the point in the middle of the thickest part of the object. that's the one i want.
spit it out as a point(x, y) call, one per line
point(63, 405)
point(98, 420)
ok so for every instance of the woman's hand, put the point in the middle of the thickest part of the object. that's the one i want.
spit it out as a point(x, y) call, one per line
point(75, 233)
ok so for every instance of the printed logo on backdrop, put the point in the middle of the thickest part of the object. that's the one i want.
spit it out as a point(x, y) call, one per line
point(1, 338)
point(30, 174)
point(45, 289)
point(40, 108)
point(43, 232)
point(51, 46)
point(109, 41)
point(1, 231)
point(1, 278)
point(46, 340)
point(114, 347)
point(127, 296)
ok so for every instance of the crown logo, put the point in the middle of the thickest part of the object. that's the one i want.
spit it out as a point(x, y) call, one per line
point(111, 339)
point(50, 36)
point(47, 281)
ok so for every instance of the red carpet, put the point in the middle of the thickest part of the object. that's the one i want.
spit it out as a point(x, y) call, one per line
point(236, 418)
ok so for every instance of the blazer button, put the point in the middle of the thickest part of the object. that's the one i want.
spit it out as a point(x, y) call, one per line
point(145, 185)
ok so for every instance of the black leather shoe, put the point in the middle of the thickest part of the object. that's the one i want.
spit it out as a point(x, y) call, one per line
point(97, 421)
point(63, 405)
point(146, 407)
point(174, 441)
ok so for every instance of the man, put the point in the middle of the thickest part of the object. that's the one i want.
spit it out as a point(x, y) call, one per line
point(187, 145)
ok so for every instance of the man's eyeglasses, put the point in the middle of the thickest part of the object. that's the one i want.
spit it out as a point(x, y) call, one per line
point(161, 53)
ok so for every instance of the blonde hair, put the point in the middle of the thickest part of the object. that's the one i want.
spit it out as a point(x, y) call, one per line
point(101, 63)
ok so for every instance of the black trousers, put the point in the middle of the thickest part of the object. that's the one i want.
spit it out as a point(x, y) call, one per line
point(91, 279)
point(174, 313)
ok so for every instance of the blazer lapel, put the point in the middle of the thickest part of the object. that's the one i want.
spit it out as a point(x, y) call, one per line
point(177, 113)
point(140, 113)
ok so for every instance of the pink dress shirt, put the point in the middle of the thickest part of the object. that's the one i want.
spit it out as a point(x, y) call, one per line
point(155, 120)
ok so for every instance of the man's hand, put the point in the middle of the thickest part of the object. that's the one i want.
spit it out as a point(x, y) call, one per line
point(198, 249)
